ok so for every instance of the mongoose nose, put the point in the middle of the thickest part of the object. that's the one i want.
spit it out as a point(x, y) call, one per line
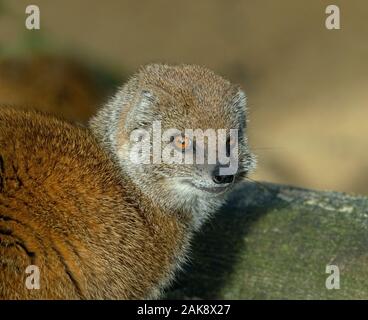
point(223, 179)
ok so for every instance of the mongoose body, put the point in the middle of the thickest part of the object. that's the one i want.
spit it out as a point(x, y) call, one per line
point(65, 208)
point(96, 224)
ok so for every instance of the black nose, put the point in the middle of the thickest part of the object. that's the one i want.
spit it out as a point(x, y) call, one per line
point(223, 179)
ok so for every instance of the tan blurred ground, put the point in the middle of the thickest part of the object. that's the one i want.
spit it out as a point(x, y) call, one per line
point(307, 86)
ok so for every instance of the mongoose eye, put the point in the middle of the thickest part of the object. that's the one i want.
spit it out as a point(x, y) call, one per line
point(182, 143)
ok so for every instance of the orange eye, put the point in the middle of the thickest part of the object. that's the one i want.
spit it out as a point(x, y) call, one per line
point(182, 143)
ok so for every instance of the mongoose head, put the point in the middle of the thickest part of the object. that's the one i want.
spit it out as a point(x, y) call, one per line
point(153, 127)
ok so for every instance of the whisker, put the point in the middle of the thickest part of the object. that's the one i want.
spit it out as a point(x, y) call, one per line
point(267, 148)
point(258, 183)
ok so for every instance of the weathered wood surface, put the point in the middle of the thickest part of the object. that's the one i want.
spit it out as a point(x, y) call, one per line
point(274, 242)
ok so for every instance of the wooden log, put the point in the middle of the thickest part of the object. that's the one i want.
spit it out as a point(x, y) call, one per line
point(275, 242)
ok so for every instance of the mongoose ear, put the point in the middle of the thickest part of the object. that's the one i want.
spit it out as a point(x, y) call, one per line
point(239, 104)
point(141, 113)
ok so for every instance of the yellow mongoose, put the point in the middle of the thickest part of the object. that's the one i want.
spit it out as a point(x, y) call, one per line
point(96, 225)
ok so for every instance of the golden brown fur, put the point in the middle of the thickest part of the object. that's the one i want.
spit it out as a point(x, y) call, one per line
point(66, 208)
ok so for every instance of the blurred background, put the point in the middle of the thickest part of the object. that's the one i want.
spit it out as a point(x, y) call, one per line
point(307, 86)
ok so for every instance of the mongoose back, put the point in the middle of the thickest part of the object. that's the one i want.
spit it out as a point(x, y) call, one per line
point(94, 223)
